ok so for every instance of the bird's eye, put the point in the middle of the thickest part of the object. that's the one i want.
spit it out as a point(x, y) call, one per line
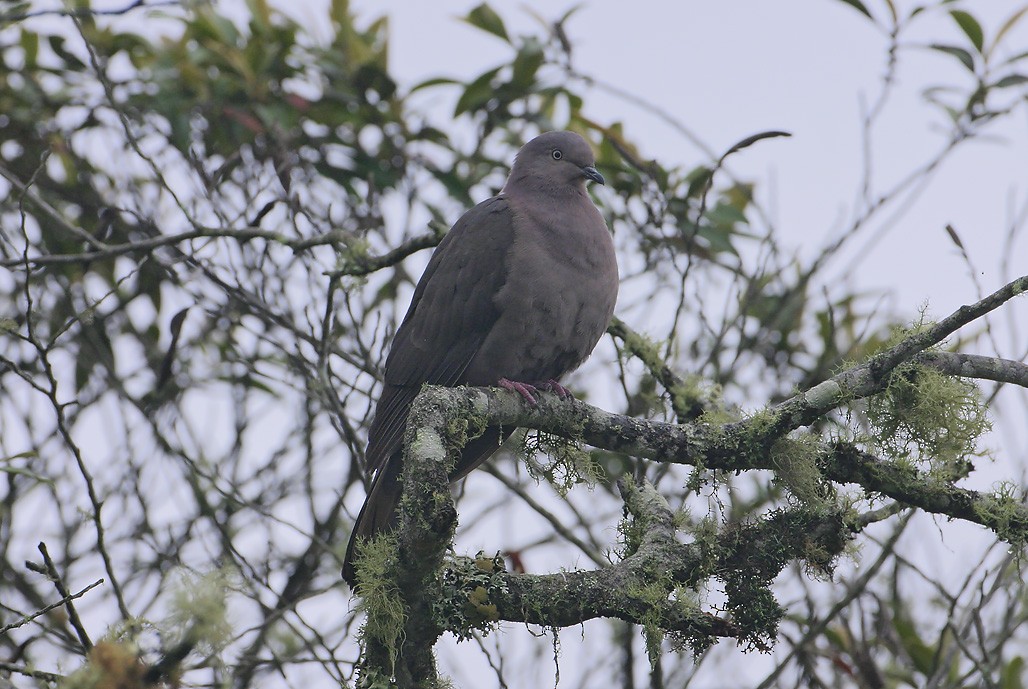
point(557, 155)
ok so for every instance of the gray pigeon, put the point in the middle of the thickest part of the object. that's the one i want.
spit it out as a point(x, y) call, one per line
point(517, 294)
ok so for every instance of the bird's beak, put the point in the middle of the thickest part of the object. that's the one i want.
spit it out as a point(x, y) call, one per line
point(592, 173)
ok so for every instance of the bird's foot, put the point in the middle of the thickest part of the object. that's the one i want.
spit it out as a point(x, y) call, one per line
point(557, 389)
point(526, 390)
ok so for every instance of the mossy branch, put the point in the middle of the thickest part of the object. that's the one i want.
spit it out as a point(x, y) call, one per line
point(426, 523)
point(687, 401)
point(1002, 512)
point(644, 587)
point(740, 446)
point(872, 376)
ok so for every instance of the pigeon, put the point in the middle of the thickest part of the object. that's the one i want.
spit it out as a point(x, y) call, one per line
point(517, 294)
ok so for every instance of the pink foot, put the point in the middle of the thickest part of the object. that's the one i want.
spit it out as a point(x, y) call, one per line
point(526, 390)
point(559, 390)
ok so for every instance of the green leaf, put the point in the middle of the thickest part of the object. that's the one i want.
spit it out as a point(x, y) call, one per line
point(30, 44)
point(1011, 80)
point(22, 471)
point(859, 7)
point(437, 81)
point(921, 654)
point(527, 63)
point(970, 26)
point(724, 215)
point(28, 454)
point(485, 18)
point(750, 140)
point(1010, 674)
point(57, 45)
point(698, 178)
point(719, 239)
point(25, 472)
point(1016, 58)
point(965, 57)
point(477, 93)
point(892, 10)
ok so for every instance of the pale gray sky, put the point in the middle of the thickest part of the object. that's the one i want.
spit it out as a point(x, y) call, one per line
point(729, 69)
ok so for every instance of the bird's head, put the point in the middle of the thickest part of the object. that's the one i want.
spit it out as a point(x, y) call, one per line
point(555, 161)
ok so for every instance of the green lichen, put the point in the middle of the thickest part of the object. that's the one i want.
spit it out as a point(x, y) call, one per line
point(464, 606)
point(753, 608)
point(1003, 511)
point(796, 460)
point(461, 430)
point(929, 418)
point(718, 416)
point(353, 255)
point(198, 611)
point(560, 462)
point(380, 599)
point(654, 596)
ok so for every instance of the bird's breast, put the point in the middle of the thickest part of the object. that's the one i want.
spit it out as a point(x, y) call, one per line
point(556, 300)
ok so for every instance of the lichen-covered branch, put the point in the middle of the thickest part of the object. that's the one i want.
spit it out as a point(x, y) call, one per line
point(872, 376)
point(976, 366)
point(1005, 514)
point(651, 586)
point(747, 444)
point(426, 523)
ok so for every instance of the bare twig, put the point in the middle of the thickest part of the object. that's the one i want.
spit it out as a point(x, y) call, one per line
point(73, 616)
point(66, 600)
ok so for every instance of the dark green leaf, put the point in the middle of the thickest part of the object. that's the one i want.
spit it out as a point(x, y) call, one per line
point(970, 26)
point(1011, 673)
point(719, 239)
point(30, 44)
point(965, 57)
point(921, 654)
point(860, 7)
point(57, 45)
point(527, 63)
point(1011, 80)
point(485, 18)
point(750, 140)
point(477, 93)
point(725, 215)
point(438, 81)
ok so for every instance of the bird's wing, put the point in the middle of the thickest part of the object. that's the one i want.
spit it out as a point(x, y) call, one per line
point(451, 313)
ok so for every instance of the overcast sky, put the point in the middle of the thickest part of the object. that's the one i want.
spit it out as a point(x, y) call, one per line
point(729, 69)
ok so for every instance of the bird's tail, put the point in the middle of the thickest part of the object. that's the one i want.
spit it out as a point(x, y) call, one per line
point(379, 512)
point(377, 515)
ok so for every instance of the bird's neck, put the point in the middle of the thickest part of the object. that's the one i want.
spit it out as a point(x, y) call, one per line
point(524, 187)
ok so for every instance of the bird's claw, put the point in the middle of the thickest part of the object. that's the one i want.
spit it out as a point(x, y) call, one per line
point(529, 391)
point(557, 389)
point(526, 390)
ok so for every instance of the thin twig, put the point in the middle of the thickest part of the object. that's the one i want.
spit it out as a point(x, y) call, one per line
point(50, 677)
point(73, 616)
point(64, 601)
